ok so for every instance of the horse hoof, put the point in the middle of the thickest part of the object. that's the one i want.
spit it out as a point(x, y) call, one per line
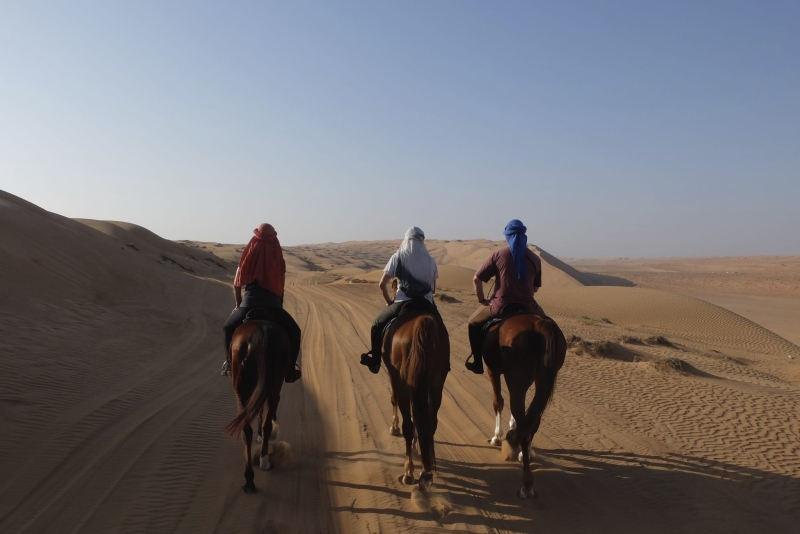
point(263, 463)
point(274, 434)
point(249, 488)
point(258, 438)
point(407, 480)
point(394, 431)
point(520, 456)
point(526, 493)
point(425, 481)
point(496, 441)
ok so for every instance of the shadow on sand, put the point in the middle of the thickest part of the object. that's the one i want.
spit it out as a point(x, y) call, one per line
point(589, 491)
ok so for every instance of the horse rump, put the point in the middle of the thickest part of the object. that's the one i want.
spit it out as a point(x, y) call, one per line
point(266, 366)
point(423, 342)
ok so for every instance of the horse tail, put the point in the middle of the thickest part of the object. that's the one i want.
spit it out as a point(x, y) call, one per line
point(423, 344)
point(555, 350)
point(257, 351)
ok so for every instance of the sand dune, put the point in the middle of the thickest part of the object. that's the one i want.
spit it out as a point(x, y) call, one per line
point(112, 409)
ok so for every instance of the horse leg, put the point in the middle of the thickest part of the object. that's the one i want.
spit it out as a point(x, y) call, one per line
point(498, 404)
point(515, 435)
point(436, 403)
point(404, 403)
point(249, 475)
point(266, 431)
point(259, 436)
point(394, 429)
point(544, 390)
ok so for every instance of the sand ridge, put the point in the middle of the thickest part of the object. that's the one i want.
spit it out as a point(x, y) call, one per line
point(112, 408)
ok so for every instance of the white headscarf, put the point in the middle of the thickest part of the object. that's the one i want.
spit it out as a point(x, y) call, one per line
point(415, 257)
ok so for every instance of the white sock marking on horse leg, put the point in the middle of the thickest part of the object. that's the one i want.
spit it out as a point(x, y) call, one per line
point(512, 423)
point(498, 431)
point(263, 463)
point(258, 438)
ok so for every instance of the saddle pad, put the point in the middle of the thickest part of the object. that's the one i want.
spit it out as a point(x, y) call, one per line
point(492, 322)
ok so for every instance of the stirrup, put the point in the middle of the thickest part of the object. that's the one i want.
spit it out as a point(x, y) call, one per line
point(474, 366)
point(371, 362)
point(293, 375)
point(366, 358)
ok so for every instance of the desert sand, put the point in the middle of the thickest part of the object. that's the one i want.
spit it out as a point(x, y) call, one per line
point(671, 414)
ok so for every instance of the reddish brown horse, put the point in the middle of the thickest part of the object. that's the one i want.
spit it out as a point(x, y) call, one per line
point(259, 362)
point(416, 351)
point(527, 349)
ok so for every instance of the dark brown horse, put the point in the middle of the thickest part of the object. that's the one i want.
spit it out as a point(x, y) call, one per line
point(259, 362)
point(527, 349)
point(416, 351)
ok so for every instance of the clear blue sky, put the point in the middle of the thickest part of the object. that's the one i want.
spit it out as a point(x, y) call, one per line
point(610, 128)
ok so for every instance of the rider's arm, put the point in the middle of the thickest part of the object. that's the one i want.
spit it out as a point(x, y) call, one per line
point(384, 285)
point(478, 284)
point(237, 291)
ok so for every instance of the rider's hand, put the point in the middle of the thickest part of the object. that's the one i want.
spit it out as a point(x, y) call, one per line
point(484, 302)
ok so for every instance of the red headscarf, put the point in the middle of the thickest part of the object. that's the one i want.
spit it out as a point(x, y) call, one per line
point(262, 261)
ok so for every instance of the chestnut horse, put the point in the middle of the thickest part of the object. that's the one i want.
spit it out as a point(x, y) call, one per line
point(527, 349)
point(259, 354)
point(416, 351)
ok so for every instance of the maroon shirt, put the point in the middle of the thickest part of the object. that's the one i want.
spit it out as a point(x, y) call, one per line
point(508, 289)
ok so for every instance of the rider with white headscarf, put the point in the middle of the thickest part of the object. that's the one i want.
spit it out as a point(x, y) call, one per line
point(416, 271)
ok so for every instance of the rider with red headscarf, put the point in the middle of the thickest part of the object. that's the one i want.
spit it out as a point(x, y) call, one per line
point(262, 273)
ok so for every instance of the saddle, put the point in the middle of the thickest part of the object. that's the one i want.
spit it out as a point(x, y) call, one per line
point(509, 310)
point(420, 304)
point(260, 314)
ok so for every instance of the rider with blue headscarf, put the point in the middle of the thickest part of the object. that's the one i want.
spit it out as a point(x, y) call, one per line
point(518, 273)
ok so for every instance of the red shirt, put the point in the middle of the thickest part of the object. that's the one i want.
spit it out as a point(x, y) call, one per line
point(509, 290)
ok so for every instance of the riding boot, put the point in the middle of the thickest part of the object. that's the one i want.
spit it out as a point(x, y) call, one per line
point(372, 359)
point(293, 374)
point(475, 366)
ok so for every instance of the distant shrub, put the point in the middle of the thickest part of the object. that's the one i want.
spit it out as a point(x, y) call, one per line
point(629, 339)
point(673, 364)
point(603, 348)
point(573, 340)
point(659, 340)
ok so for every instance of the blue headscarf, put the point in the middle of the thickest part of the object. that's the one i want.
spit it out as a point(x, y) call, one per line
point(518, 243)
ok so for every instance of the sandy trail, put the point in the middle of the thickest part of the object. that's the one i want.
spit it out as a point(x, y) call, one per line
point(623, 447)
point(112, 410)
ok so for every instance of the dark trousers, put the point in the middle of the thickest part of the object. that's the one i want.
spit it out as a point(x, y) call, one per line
point(279, 316)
